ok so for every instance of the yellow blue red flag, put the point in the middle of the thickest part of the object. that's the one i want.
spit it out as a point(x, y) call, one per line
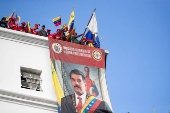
point(57, 21)
point(11, 15)
point(71, 22)
point(70, 34)
point(57, 86)
point(28, 27)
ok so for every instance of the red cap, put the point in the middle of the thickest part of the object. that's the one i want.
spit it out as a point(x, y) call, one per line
point(85, 39)
point(58, 30)
point(36, 25)
point(48, 29)
point(89, 41)
point(23, 23)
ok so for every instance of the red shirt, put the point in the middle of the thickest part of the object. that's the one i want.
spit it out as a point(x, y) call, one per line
point(58, 35)
point(33, 31)
point(23, 29)
point(51, 36)
point(13, 26)
point(89, 84)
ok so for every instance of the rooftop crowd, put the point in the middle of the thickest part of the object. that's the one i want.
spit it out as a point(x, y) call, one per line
point(60, 34)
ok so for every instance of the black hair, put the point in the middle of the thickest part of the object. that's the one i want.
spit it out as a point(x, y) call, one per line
point(77, 72)
point(87, 68)
point(3, 18)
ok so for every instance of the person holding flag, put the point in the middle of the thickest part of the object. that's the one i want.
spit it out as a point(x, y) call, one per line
point(12, 24)
point(74, 38)
point(63, 33)
point(34, 29)
point(9, 17)
point(51, 35)
point(22, 28)
point(83, 41)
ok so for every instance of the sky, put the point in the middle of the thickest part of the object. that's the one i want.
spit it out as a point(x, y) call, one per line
point(135, 32)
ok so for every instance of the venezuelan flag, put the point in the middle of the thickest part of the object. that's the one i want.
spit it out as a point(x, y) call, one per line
point(64, 26)
point(57, 87)
point(28, 27)
point(11, 15)
point(57, 21)
point(71, 22)
point(70, 34)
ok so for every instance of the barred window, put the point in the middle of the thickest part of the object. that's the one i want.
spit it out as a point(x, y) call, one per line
point(31, 79)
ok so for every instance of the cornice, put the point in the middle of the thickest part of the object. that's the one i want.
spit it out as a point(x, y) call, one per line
point(23, 37)
point(26, 38)
point(26, 100)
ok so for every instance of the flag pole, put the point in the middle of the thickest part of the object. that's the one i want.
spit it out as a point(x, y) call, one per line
point(88, 24)
point(69, 21)
point(7, 19)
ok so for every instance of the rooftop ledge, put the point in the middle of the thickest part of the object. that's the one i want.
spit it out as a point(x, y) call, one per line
point(22, 99)
point(26, 38)
point(22, 37)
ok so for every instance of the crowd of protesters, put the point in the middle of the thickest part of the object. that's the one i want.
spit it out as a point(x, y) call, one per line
point(60, 34)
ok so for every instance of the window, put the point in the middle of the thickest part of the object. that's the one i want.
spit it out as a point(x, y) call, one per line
point(31, 79)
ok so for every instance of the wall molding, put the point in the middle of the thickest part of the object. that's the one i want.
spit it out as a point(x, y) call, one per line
point(26, 100)
point(22, 37)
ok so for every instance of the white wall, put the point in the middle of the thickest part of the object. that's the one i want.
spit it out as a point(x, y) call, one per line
point(7, 107)
point(13, 55)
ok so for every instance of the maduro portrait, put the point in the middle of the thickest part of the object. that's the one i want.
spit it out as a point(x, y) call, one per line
point(81, 101)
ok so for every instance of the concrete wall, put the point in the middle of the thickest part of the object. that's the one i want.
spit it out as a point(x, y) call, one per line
point(27, 50)
point(13, 55)
point(18, 49)
point(8, 107)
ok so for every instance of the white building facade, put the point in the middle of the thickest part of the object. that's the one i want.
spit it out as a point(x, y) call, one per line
point(20, 50)
point(26, 57)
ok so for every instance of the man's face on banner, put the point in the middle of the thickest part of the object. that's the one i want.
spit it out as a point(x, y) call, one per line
point(78, 84)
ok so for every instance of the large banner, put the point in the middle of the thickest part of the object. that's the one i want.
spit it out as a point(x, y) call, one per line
point(70, 57)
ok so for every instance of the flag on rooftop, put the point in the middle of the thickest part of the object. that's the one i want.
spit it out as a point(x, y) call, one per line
point(17, 19)
point(68, 37)
point(92, 31)
point(11, 15)
point(57, 21)
point(64, 26)
point(71, 22)
point(28, 27)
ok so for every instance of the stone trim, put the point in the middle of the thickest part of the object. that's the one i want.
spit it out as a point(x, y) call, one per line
point(22, 99)
point(23, 37)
